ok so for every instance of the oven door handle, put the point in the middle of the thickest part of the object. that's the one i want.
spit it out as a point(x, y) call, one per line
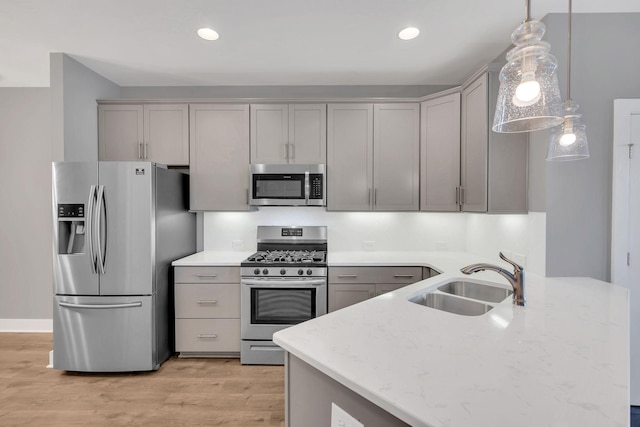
point(270, 283)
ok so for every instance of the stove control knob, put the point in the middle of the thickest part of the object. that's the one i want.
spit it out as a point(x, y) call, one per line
point(309, 272)
point(283, 271)
point(256, 271)
point(265, 271)
point(300, 272)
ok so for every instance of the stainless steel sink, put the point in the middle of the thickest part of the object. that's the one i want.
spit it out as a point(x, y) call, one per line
point(476, 291)
point(451, 304)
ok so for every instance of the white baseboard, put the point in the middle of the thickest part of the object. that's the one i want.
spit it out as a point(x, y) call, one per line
point(26, 325)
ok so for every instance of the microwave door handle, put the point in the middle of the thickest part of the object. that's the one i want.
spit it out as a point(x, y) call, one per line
point(306, 188)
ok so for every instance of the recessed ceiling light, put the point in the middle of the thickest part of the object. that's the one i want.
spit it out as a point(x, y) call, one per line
point(409, 33)
point(208, 34)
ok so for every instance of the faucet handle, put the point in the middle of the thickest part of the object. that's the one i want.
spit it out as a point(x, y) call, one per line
point(516, 266)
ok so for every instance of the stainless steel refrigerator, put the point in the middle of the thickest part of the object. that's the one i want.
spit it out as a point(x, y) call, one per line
point(117, 227)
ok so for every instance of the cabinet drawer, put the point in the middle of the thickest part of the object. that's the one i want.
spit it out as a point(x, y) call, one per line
point(207, 275)
point(207, 335)
point(404, 275)
point(207, 300)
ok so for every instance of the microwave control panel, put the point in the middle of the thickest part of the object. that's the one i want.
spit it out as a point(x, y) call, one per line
point(315, 180)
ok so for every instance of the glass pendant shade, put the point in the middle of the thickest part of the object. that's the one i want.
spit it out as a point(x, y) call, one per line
point(569, 141)
point(529, 96)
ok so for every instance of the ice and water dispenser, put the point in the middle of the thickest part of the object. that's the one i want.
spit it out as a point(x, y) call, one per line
point(71, 229)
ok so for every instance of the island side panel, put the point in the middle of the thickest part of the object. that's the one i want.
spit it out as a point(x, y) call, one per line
point(309, 394)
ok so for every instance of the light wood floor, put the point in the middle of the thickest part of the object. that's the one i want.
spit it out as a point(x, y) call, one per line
point(183, 392)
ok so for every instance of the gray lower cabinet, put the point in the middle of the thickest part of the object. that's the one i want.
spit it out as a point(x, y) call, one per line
point(350, 285)
point(207, 311)
point(373, 157)
point(310, 394)
point(219, 150)
point(494, 172)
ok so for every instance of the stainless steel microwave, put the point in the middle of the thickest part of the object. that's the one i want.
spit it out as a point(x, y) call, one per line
point(287, 185)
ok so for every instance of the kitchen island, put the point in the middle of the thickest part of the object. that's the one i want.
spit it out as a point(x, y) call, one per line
point(563, 360)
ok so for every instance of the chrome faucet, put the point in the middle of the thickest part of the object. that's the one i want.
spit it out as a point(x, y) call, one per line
point(516, 279)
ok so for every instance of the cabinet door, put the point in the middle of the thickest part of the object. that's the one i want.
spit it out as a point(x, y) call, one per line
point(349, 157)
point(120, 132)
point(508, 164)
point(344, 295)
point(269, 133)
point(383, 288)
point(474, 146)
point(396, 166)
point(440, 154)
point(308, 133)
point(219, 152)
point(166, 134)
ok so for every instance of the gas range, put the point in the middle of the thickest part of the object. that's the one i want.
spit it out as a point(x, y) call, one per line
point(288, 252)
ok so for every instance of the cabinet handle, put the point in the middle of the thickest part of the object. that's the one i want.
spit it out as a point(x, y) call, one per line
point(457, 195)
point(409, 276)
point(145, 150)
point(292, 151)
point(207, 301)
point(347, 276)
point(207, 336)
point(285, 151)
point(368, 196)
point(203, 276)
point(375, 196)
point(140, 150)
point(461, 195)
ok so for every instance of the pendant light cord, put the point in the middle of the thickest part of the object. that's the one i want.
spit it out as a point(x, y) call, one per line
point(527, 11)
point(569, 57)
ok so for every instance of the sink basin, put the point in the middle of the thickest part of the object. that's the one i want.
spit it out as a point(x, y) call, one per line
point(476, 291)
point(451, 304)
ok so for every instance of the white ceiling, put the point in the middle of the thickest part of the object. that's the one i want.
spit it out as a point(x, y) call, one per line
point(266, 42)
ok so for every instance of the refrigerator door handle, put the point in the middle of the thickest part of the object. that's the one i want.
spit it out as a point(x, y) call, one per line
point(89, 228)
point(101, 306)
point(102, 258)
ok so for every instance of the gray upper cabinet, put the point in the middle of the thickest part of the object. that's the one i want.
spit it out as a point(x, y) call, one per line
point(155, 132)
point(219, 166)
point(494, 166)
point(396, 157)
point(474, 146)
point(440, 154)
point(294, 133)
point(373, 157)
point(349, 157)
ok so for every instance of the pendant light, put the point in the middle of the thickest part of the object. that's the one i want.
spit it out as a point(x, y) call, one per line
point(569, 141)
point(529, 96)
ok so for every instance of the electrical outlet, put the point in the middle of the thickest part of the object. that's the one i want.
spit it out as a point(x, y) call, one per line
point(368, 245)
point(441, 245)
point(237, 245)
point(341, 418)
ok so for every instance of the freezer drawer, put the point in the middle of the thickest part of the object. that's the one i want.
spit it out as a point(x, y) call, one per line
point(104, 334)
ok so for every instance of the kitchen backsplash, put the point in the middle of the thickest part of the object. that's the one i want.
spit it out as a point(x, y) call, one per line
point(521, 236)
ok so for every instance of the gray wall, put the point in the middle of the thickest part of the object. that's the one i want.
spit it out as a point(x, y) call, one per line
point(605, 66)
point(74, 90)
point(25, 217)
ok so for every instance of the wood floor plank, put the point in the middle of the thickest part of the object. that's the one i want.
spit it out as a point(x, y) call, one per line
point(183, 392)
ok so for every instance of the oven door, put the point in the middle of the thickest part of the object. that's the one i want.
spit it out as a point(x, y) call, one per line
point(269, 305)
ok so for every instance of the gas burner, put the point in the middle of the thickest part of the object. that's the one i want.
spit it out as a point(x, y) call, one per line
point(288, 257)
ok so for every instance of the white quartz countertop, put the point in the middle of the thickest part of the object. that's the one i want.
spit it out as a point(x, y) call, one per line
point(561, 361)
point(212, 259)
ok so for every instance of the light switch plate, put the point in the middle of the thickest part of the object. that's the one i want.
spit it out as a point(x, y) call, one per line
point(341, 418)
